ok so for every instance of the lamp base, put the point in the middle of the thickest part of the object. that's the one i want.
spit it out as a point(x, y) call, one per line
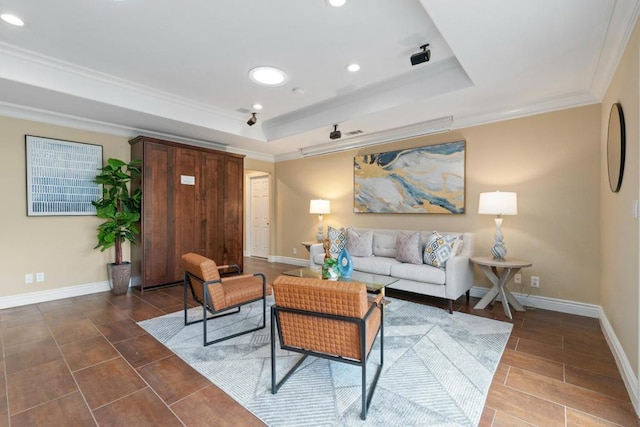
point(320, 237)
point(498, 250)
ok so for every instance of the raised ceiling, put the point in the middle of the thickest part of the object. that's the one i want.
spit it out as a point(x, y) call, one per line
point(180, 69)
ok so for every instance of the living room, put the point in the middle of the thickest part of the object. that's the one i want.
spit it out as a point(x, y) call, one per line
point(581, 238)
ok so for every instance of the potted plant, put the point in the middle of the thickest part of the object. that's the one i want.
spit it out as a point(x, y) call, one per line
point(122, 212)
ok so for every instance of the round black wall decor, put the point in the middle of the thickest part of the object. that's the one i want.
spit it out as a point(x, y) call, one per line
point(616, 147)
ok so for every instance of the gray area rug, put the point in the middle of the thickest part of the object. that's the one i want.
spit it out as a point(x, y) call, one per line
point(437, 368)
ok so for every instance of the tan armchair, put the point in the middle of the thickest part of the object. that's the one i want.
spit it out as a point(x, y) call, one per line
point(331, 320)
point(219, 295)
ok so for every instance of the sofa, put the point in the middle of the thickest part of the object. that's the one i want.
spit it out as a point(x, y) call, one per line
point(392, 253)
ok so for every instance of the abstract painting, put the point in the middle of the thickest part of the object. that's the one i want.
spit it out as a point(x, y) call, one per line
point(426, 179)
point(60, 176)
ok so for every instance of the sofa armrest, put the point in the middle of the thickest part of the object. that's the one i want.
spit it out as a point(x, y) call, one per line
point(314, 250)
point(459, 270)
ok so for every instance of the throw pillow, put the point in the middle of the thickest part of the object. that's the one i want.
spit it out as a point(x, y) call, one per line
point(440, 248)
point(360, 244)
point(408, 247)
point(338, 239)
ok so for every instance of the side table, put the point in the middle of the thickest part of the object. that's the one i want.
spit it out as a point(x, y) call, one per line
point(307, 244)
point(499, 279)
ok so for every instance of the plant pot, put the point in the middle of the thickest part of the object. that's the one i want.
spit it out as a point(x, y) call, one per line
point(119, 275)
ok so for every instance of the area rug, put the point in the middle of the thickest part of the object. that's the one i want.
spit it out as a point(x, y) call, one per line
point(437, 368)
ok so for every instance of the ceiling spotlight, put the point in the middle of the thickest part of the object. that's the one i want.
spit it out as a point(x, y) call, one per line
point(422, 56)
point(257, 106)
point(353, 67)
point(252, 120)
point(268, 76)
point(12, 19)
point(336, 3)
point(335, 134)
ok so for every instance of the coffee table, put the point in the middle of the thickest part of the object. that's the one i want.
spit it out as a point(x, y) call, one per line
point(374, 283)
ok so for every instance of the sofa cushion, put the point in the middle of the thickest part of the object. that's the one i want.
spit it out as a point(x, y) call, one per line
point(419, 273)
point(374, 264)
point(359, 244)
point(338, 239)
point(439, 249)
point(384, 245)
point(408, 248)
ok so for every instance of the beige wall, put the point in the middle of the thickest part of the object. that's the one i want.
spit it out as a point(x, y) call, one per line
point(619, 231)
point(62, 246)
point(551, 160)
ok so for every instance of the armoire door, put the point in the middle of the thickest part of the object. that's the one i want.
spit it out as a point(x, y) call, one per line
point(187, 209)
point(233, 216)
point(213, 205)
point(159, 262)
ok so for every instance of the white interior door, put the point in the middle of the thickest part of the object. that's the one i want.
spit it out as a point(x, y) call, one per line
point(260, 216)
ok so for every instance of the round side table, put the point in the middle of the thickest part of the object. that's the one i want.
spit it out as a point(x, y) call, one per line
point(499, 278)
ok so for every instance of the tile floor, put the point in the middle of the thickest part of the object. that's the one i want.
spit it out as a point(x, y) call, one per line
point(84, 361)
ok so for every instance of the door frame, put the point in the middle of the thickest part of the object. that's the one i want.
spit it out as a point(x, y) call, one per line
point(248, 214)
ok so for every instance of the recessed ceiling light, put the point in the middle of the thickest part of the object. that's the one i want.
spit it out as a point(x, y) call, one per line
point(257, 106)
point(12, 19)
point(336, 3)
point(353, 67)
point(268, 76)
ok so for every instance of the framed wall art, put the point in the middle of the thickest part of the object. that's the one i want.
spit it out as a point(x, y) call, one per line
point(428, 179)
point(60, 176)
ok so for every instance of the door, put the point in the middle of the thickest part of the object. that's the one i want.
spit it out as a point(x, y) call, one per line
point(259, 216)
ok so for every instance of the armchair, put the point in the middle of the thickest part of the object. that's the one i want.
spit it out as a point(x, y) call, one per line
point(330, 320)
point(219, 295)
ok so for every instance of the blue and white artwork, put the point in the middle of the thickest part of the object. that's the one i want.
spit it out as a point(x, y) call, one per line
point(426, 179)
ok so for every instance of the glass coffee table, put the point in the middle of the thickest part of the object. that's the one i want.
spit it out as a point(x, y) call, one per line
point(374, 283)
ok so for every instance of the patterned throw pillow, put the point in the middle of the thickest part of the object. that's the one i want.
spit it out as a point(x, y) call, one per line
point(408, 247)
point(440, 248)
point(338, 239)
point(360, 244)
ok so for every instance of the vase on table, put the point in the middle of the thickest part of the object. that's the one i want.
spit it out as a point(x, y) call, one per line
point(330, 270)
point(345, 264)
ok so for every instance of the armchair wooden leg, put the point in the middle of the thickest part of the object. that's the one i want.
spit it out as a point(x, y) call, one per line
point(450, 306)
point(468, 294)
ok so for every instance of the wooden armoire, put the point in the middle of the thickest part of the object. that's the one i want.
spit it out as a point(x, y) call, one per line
point(191, 202)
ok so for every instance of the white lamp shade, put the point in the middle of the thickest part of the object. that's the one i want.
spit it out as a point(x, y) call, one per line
point(319, 207)
point(498, 203)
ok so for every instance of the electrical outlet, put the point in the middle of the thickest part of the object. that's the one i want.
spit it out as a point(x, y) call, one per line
point(28, 278)
point(535, 282)
point(39, 277)
point(295, 251)
point(517, 279)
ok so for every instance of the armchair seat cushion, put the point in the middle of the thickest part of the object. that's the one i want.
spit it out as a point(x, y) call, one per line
point(245, 289)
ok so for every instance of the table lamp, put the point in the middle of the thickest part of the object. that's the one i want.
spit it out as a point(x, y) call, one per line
point(320, 207)
point(498, 203)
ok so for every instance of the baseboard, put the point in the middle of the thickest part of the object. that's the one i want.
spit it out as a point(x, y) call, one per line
point(287, 260)
point(545, 303)
point(626, 371)
point(52, 294)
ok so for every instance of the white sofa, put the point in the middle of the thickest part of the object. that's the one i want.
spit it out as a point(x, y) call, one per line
point(450, 282)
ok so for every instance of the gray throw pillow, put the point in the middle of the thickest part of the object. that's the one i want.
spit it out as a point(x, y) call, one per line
point(360, 244)
point(408, 248)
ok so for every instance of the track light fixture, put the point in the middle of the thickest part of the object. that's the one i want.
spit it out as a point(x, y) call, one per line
point(423, 56)
point(252, 120)
point(335, 134)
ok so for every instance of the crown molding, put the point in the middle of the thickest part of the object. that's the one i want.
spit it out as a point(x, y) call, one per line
point(37, 60)
point(623, 17)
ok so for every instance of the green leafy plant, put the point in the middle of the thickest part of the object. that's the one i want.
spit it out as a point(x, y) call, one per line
point(118, 206)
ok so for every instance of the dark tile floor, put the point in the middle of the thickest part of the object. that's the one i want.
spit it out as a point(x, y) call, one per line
point(84, 361)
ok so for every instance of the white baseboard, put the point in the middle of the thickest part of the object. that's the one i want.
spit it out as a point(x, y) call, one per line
point(545, 303)
point(287, 260)
point(52, 294)
point(626, 371)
